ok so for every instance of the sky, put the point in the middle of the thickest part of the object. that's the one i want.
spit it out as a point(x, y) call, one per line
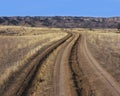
point(92, 8)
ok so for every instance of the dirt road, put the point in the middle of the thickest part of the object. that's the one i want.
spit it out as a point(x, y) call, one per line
point(60, 73)
point(66, 68)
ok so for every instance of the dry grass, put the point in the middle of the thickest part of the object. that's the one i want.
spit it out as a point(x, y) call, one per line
point(16, 49)
point(105, 47)
point(23, 31)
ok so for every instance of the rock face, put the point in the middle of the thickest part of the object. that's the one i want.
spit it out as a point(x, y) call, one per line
point(61, 21)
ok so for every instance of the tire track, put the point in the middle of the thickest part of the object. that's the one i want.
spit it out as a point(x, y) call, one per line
point(80, 82)
point(62, 77)
point(42, 85)
point(60, 85)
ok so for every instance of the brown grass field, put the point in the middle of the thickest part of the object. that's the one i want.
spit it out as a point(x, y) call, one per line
point(72, 68)
point(105, 47)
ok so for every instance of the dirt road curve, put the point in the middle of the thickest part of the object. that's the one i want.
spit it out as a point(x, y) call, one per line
point(65, 68)
point(101, 82)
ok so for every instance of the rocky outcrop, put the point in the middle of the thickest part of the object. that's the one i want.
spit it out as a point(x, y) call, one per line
point(61, 21)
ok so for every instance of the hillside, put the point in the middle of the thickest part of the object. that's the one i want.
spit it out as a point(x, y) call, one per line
point(61, 21)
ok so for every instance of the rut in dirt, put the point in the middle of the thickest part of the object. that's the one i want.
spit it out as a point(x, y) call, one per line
point(60, 73)
point(45, 84)
point(81, 84)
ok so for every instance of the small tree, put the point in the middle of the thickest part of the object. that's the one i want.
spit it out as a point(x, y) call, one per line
point(118, 27)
